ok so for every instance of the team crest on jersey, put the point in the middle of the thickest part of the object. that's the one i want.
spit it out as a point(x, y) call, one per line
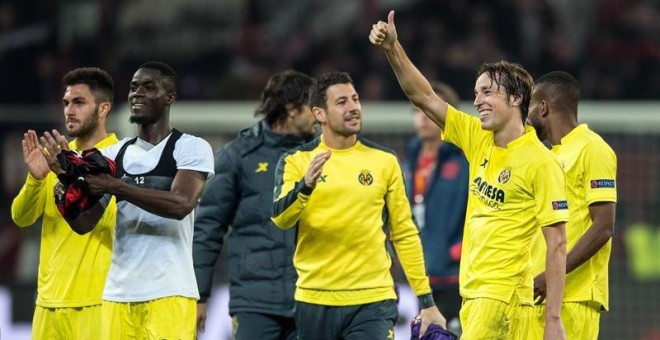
point(505, 176)
point(365, 178)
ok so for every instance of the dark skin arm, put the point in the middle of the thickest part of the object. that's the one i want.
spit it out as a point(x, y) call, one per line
point(601, 231)
point(177, 203)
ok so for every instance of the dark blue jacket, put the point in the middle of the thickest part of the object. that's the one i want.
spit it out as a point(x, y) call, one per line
point(240, 195)
point(445, 199)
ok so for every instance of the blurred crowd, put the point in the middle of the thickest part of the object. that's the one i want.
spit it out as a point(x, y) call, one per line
point(225, 50)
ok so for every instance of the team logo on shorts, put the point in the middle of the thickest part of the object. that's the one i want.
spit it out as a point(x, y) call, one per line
point(365, 177)
point(505, 176)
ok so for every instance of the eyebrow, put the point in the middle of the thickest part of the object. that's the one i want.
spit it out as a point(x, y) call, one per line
point(74, 99)
point(340, 98)
point(143, 82)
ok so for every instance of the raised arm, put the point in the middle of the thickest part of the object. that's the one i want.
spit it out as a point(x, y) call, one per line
point(414, 85)
point(28, 205)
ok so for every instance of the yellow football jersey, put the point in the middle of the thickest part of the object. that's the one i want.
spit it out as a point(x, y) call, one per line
point(513, 192)
point(72, 268)
point(341, 256)
point(590, 167)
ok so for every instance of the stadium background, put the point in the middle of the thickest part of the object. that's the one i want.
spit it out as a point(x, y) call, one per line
point(225, 50)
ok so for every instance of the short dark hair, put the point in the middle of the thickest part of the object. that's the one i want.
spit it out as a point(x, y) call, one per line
point(318, 96)
point(168, 75)
point(284, 88)
point(565, 89)
point(515, 80)
point(99, 81)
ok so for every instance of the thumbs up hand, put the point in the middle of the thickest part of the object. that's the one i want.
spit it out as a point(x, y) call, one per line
point(383, 34)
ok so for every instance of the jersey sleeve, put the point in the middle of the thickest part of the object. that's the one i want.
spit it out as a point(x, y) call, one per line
point(290, 194)
point(29, 204)
point(194, 153)
point(549, 190)
point(600, 173)
point(462, 130)
point(404, 233)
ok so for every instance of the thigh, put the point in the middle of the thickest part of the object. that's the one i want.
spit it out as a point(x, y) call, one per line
point(116, 322)
point(518, 319)
point(45, 324)
point(289, 329)
point(85, 322)
point(317, 322)
point(172, 317)
point(581, 320)
point(248, 326)
point(371, 321)
point(484, 318)
point(537, 323)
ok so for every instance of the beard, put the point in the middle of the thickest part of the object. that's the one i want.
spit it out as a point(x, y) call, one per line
point(87, 127)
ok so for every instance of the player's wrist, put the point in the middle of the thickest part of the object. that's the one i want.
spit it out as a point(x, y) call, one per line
point(425, 301)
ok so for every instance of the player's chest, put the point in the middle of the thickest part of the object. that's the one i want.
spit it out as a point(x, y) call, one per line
point(355, 177)
point(499, 181)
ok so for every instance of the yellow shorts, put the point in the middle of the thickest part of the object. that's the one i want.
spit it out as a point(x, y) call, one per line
point(484, 318)
point(171, 318)
point(66, 323)
point(581, 320)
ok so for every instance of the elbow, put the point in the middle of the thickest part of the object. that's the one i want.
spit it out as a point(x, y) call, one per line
point(608, 230)
point(183, 210)
point(22, 224)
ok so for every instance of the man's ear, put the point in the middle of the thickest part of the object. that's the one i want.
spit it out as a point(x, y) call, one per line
point(545, 108)
point(320, 114)
point(170, 98)
point(104, 109)
point(515, 100)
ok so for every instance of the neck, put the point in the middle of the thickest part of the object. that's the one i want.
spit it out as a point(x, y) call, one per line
point(338, 142)
point(560, 129)
point(431, 146)
point(155, 132)
point(88, 142)
point(510, 132)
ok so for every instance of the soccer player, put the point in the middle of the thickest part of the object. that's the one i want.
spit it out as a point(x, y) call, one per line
point(72, 268)
point(341, 190)
point(437, 187)
point(151, 290)
point(590, 167)
point(516, 188)
point(261, 274)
